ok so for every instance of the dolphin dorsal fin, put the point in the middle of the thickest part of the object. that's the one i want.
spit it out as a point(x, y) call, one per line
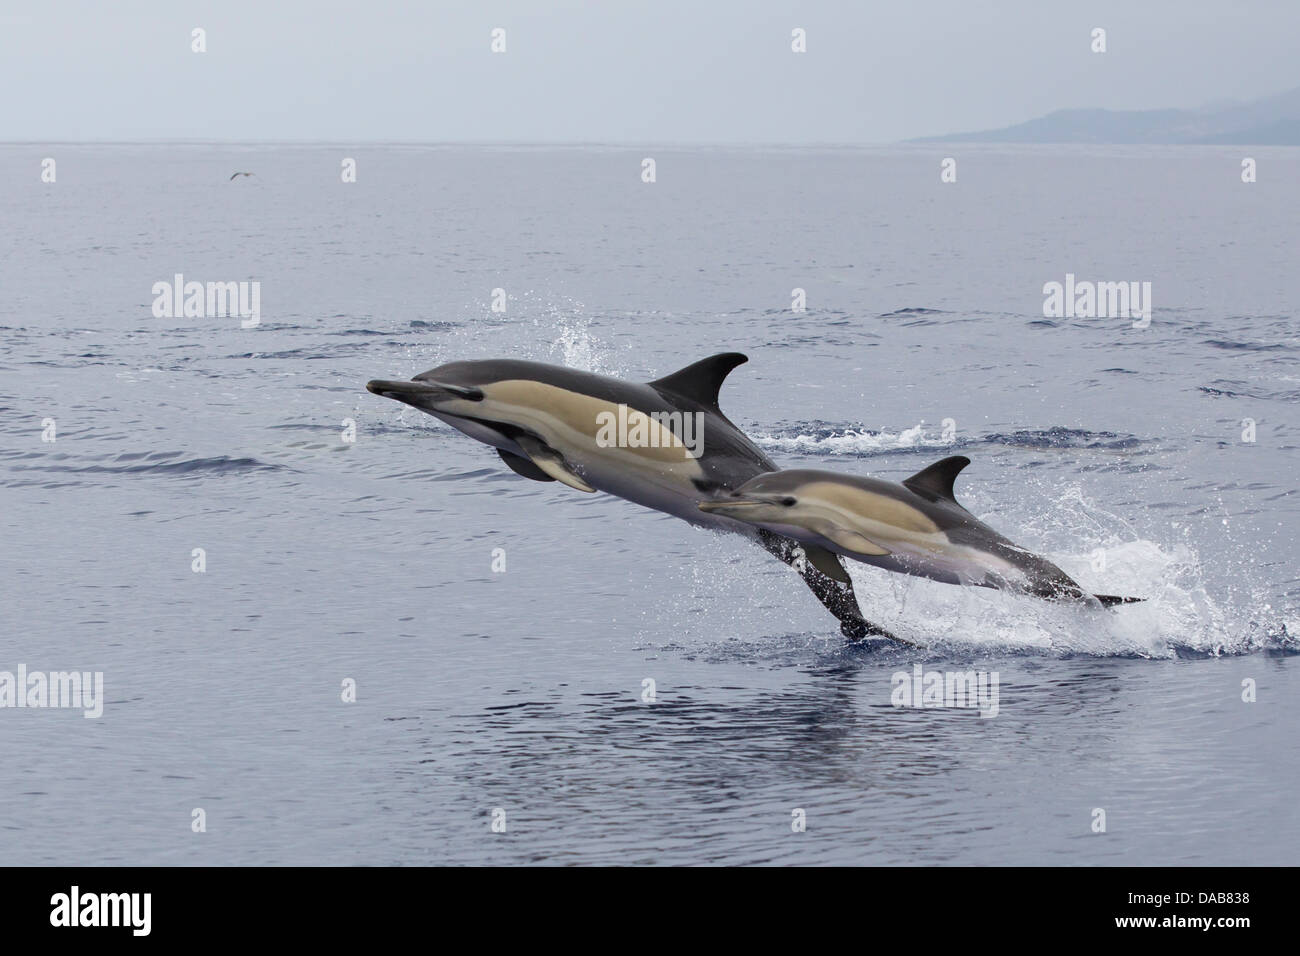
point(936, 480)
point(701, 381)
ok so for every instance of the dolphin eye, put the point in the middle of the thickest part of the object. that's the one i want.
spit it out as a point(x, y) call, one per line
point(789, 501)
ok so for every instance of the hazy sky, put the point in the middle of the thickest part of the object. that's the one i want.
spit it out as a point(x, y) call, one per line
point(617, 71)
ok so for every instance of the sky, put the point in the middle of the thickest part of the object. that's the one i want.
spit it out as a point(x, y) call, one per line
point(616, 71)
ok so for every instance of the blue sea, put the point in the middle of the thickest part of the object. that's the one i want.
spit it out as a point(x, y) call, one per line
point(345, 541)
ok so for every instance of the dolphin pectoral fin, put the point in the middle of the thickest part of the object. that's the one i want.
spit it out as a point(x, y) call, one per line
point(827, 563)
point(852, 541)
point(561, 473)
point(522, 466)
point(551, 462)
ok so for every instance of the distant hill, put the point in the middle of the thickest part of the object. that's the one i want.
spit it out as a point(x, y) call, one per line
point(1271, 121)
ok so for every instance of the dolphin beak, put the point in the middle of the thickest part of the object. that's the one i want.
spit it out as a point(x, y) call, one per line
point(736, 505)
point(423, 394)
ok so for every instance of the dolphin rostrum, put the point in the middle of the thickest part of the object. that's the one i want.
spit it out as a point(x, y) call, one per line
point(916, 527)
point(664, 444)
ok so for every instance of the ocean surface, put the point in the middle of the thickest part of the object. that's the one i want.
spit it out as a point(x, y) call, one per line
point(1121, 453)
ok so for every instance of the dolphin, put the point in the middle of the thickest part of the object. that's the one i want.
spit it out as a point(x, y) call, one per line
point(552, 423)
point(916, 527)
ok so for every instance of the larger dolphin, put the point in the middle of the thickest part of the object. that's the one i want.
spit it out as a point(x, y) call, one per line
point(551, 423)
point(916, 527)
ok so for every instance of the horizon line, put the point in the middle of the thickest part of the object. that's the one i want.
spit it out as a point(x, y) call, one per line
point(918, 142)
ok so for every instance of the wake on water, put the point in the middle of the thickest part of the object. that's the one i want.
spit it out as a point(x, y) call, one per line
point(1180, 618)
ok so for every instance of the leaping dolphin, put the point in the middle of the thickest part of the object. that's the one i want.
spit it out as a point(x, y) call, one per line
point(916, 527)
point(546, 422)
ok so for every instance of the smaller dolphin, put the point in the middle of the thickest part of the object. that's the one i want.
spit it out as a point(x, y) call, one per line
point(916, 527)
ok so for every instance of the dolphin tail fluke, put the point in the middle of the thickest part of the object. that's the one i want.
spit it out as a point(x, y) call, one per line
point(1110, 600)
point(829, 582)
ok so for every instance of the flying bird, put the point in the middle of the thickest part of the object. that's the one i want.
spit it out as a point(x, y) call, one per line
point(233, 175)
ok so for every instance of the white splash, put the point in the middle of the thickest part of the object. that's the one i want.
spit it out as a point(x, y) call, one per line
point(1182, 613)
point(852, 441)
